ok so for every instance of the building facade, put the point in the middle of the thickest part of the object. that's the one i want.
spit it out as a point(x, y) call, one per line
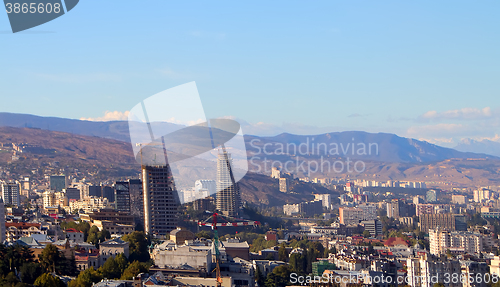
point(228, 192)
point(160, 200)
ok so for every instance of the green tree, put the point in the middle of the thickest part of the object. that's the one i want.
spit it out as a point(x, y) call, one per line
point(282, 253)
point(204, 234)
point(298, 263)
point(30, 271)
point(93, 236)
point(48, 258)
point(103, 235)
point(86, 278)
point(134, 269)
point(138, 246)
point(47, 280)
point(9, 280)
point(259, 277)
point(121, 262)
point(279, 277)
point(110, 269)
point(17, 255)
point(366, 234)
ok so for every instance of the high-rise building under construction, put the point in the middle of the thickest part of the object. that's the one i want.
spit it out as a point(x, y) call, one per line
point(160, 200)
point(228, 193)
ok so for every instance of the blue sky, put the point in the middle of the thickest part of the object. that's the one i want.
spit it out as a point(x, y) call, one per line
point(426, 69)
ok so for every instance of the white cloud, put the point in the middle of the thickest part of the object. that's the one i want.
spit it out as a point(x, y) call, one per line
point(461, 114)
point(436, 130)
point(109, 116)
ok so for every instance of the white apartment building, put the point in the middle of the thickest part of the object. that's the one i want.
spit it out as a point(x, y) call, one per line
point(326, 200)
point(290, 209)
point(457, 242)
point(10, 193)
point(169, 255)
point(422, 272)
point(89, 204)
point(495, 265)
point(353, 215)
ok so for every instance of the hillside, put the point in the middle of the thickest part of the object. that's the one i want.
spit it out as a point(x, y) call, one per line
point(113, 159)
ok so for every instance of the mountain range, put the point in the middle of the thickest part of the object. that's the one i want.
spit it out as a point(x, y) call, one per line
point(385, 156)
point(483, 146)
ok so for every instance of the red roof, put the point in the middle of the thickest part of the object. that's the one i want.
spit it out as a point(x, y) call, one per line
point(393, 241)
point(73, 230)
point(22, 225)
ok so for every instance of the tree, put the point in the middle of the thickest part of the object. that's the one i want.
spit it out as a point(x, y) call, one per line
point(282, 254)
point(298, 263)
point(138, 246)
point(121, 262)
point(259, 277)
point(366, 234)
point(86, 278)
point(30, 271)
point(9, 280)
point(110, 269)
point(279, 277)
point(16, 255)
point(47, 280)
point(134, 269)
point(103, 235)
point(93, 236)
point(204, 234)
point(50, 255)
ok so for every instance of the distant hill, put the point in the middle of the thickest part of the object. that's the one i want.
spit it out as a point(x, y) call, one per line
point(105, 144)
point(117, 130)
point(484, 146)
point(382, 147)
point(390, 147)
point(264, 190)
point(111, 158)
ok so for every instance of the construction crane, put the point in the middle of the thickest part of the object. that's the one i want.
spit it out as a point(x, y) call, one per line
point(214, 224)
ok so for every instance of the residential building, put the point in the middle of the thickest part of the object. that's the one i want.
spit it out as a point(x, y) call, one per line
point(72, 193)
point(449, 222)
point(373, 226)
point(2, 221)
point(431, 196)
point(136, 200)
point(398, 208)
point(10, 193)
point(482, 195)
point(111, 248)
point(291, 209)
point(75, 235)
point(170, 255)
point(122, 196)
point(16, 230)
point(422, 272)
point(117, 217)
point(284, 184)
point(353, 215)
point(205, 184)
point(442, 241)
point(459, 199)
point(57, 182)
point(179, 236)
point(495, 265)
point(160, 200)
point(326, 200)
